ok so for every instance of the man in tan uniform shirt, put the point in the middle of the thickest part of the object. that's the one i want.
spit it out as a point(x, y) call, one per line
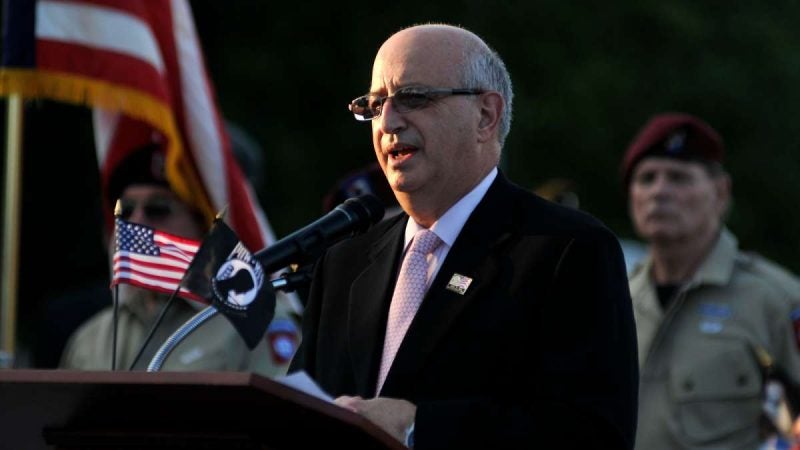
point(147, 199)
point(709, 317)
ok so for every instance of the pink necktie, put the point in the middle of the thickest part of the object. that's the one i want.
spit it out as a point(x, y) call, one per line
point(408, 293)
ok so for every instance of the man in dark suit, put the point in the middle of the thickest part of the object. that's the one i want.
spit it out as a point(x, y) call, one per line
point(522, 333)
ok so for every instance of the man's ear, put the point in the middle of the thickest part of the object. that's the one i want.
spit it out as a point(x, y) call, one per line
point(491, 109)
point(724, 188)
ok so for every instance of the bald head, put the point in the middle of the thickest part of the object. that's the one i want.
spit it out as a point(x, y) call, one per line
point(462, 57)
point(433, 42)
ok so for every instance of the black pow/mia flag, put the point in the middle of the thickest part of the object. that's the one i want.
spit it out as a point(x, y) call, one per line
point(226, 273)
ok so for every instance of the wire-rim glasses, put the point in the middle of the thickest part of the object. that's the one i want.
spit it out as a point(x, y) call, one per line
point(370, 106)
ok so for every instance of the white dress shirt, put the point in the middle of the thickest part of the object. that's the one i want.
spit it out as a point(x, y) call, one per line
point(449, 226)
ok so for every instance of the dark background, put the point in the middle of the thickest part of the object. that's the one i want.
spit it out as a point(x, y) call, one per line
point(586, 77)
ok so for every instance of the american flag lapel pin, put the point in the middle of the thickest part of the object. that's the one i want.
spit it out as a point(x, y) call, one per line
point(459, 283)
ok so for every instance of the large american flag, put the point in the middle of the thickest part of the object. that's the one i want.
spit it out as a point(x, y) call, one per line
point(152, 259)
point(139, 64)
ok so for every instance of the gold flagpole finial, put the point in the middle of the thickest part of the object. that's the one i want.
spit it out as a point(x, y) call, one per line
point(221, 214)
point(118, 208)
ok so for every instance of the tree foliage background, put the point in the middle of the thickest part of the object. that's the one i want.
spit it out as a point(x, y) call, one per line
point(586, 76)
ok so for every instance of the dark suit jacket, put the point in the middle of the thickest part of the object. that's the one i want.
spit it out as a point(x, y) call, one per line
point(539, 352)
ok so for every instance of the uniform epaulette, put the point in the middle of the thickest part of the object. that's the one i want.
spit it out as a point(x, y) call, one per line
point(746, 259)
point(776, 276)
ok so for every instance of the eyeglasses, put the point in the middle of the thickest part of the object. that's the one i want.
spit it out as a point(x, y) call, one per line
point(370, 106)
point(154, 209)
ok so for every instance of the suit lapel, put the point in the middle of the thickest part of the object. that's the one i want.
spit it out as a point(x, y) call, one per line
point(370, 296)
point(471, 255)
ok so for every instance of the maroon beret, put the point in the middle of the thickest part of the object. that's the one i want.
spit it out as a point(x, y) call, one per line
point(673, 135)
point(144, 165)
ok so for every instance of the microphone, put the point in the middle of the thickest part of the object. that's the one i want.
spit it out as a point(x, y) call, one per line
point(350, 218)
point(291, 281)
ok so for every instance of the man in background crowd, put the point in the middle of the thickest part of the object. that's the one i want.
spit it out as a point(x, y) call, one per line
point(145, 196)
point(714, 323)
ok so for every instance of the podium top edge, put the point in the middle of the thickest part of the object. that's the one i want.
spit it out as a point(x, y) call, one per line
point(138, 377)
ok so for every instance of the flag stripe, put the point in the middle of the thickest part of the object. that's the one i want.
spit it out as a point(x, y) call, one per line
point(166, 263)
point(189, 245)
point(105, 127)
point(124, 260)
point(155, 276)
point(204, 136)
point(175, 253)
point(141, 10)
point(101, 64)
point(113, 30)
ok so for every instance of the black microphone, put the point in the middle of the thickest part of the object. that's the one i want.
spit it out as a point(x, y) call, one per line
point(352, 217)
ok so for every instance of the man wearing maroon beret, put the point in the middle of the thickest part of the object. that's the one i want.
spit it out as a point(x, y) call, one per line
point(714, 323)
point(146, 198)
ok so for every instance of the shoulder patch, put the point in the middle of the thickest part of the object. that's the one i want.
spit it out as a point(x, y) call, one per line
point(746, 258)
point(283, 337)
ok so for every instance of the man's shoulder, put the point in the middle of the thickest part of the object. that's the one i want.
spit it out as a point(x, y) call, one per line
point(535, 215)
point(97, 324)
point(767, 275)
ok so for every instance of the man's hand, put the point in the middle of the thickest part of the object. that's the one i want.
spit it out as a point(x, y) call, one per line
point(796, 434)
point(392, 414)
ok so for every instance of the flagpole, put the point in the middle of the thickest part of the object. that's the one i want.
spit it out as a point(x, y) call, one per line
point(153, 328)
point(11, 220)
point(116, 325)
point(117, 214)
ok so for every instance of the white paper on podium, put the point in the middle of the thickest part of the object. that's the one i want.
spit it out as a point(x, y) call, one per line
point(302, 382)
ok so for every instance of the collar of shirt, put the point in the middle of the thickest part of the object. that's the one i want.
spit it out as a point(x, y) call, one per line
point(449, 226)
point(717, 269)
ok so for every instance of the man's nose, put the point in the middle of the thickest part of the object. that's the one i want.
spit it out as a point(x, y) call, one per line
point(661, 185)
point(139, 216)
point(391, 121)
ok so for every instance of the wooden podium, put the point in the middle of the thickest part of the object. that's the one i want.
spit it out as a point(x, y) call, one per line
point(61, 409)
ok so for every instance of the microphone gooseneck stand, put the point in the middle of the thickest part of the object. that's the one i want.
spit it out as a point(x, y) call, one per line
point(178, 336)
point(287, 283)
point(354, 216)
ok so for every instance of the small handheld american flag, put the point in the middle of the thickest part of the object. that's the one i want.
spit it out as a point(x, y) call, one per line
point(152, 259)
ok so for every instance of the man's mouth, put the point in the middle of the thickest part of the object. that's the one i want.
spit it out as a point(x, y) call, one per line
point(660, 214)
point(400, 152)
